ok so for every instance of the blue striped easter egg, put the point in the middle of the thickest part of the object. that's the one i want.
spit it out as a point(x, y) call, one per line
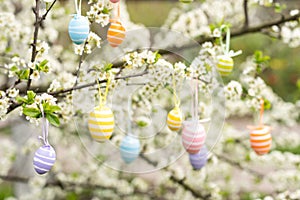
point(199, 159)
point(129, 148)
point(44, 159)
point(79, 29)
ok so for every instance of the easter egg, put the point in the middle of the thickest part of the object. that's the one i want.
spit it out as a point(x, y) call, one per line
point(225, 65)
point(186, 1)
point(115, 33)
point(101, 123)
point(114, 1)
point(193, 136)
point(44, 159)
point(199, 159)
point(129, 148)
point(79, 29)
point(174, 119)
point(261, 139)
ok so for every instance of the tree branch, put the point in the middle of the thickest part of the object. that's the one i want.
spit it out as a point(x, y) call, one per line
point(246, 22)
point(38, 22)
point(237, 33)
point(71, 185)
point(56, 93)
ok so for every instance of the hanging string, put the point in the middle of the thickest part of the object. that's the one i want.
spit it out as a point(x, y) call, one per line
point(106, 89)
point(261, 114)
point(78, 7)
point(129, 112)
point(118, 11)
point(99, 93)
point(194, 85)
point(45, 126)
point(175, 97)
point(226, 48)
point(102, 99)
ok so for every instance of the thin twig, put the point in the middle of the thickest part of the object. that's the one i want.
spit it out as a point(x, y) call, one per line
point(37, 25)
point(246, 14)
point(79, 65)
point(237, 33)
point(94, 83)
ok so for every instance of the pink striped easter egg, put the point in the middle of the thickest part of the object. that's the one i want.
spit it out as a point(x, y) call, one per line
point(193, 136)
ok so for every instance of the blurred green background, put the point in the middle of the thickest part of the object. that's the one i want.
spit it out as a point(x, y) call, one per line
point(284, 70)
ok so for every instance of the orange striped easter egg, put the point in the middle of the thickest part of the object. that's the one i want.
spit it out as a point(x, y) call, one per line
point(261, 139)
point(115, 33)
point(174, 119)
point(101, 123)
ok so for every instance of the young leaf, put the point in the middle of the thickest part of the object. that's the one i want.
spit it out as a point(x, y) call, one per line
point(21, 99)
point(53, 119)
point(31, 112)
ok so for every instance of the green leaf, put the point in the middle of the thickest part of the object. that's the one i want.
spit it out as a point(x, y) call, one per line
point(50, 109)
point(53, 119)
point(267, 104)
point(30, 97)
point(31, 112)
point(20, 99)
point(14, 68)
point(107, 67)
point(43, 63)
point(24, 74)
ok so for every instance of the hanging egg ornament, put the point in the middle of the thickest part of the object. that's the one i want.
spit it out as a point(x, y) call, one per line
point(193, 136)
point(225, 65)
point(114, 1)
point(44, 158)
point(101, 123)
point(79, 29)
point(261, 139)
point(186, 1)
point(174, 119)
point(115, 33)
point(199, 159)
point(129, 148)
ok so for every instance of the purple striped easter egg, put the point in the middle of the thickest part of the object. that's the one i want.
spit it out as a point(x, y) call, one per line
point(44, 159)
point(199, 159)
point(193, 136)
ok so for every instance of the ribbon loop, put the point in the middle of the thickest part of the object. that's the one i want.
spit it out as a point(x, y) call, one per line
point(102, 99)
point(175, 97)
point(194, 85)
point(45, 127)
point(78, 7)
point(261, 113)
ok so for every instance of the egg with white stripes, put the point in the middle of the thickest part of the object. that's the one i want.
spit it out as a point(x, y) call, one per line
point(101, 123)
point(193, 136)
point(44, 158)
point(114, 1)
point(174, 119)
point(79, 29)
point(129, 148)
point(261, 139)
point(225, 65)
point(199, 159)
point(115, 33)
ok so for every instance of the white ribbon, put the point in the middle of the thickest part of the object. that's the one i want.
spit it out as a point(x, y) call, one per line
point(226, 48)
point(78, 7)
point(45, 127)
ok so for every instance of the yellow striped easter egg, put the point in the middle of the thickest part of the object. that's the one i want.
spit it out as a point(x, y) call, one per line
point(225, 65)
point(101, 123)
point(115, 33)
point(174, 119)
